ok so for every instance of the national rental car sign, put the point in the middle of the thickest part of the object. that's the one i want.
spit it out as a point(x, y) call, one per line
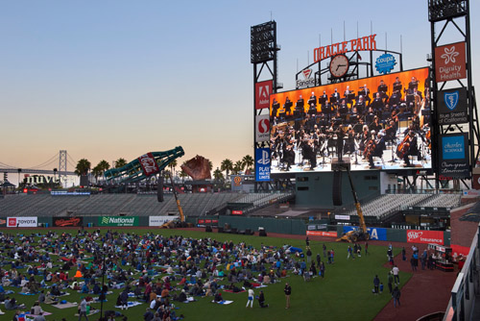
point(118, 221)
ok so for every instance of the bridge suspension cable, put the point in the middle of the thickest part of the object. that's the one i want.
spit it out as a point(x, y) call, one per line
point(6, 165)
point(50, 161)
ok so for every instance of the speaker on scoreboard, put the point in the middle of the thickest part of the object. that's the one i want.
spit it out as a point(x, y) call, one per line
point(160, 189)
point(337, 188)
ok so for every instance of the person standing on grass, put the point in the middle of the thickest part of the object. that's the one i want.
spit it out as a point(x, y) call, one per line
point(251, 296)
point(376, 284)
point(82, 309)
point(366, 248)
point(288, 291)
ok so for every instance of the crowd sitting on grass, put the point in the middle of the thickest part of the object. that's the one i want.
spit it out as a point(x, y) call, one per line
point(155, 269)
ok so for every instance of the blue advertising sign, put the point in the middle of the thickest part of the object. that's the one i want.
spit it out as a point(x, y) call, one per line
point(453, 147)
point(262, 164)
point(385, 63)
point(376, 233)
point(454, 156)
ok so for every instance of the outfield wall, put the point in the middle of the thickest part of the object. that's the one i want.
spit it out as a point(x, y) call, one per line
point(240, 223)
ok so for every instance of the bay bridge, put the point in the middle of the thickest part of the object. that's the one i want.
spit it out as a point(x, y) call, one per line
point(58, 164)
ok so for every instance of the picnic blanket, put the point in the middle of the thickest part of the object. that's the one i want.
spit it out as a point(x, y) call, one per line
point(130, 304)
point(91, 312)
point(22, 293)
point(189, 299)
point(231, 291)
point(45, 313)
point(65, 305)
point(223, 302)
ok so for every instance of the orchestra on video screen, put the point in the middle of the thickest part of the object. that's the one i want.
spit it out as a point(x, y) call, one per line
point(383, 127)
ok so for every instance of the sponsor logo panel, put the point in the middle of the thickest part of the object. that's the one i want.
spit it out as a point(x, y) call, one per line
point(322, 233)
point(262, 93)
point(160, 220)
point(67, 221)
point(450, 61)
point(379, 234)
point(22, 221)
point(118, 221)
point(424, 236)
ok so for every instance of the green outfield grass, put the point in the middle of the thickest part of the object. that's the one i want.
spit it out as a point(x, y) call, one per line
point(344, 294)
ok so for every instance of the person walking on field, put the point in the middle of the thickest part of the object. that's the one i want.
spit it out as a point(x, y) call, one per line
point(288, 291)
point(251, 296)
point(396, 276)
point(396, 296)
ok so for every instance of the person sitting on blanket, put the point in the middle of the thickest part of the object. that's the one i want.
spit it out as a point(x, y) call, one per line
point(50, 299)
point(182, 297)
point(11, 304)
point(218, 297)
point(25, 288)
point(85, 288)
point(36, 308)
point(96, 288)
point(41, 297)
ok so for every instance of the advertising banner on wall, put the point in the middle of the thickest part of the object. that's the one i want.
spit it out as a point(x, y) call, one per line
point(67, 221)
point(160, 220)
point(118, 220)
point(262, 165)
point(262, 94)
point(22, 221)
point(454, 156)
point(322, 233)
point(421, 236)
point(452, 106)
point(263, 128)
point(450, 62)
point(376, 233)
point(3, 222)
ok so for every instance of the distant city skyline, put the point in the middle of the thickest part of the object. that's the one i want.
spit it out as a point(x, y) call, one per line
point(111, 79)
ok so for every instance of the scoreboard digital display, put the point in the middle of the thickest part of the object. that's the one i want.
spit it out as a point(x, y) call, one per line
point(378, 123)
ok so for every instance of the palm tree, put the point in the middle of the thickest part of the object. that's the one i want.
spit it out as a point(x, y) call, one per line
point(237, 168)
point(104, 165)
point(183, 175)
point(218, 175)
point(120, 162)
point(226, 166)
point(100, 169)
point(172, 166)
point(83, 167)
point(248, 161)
point(96, 172)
